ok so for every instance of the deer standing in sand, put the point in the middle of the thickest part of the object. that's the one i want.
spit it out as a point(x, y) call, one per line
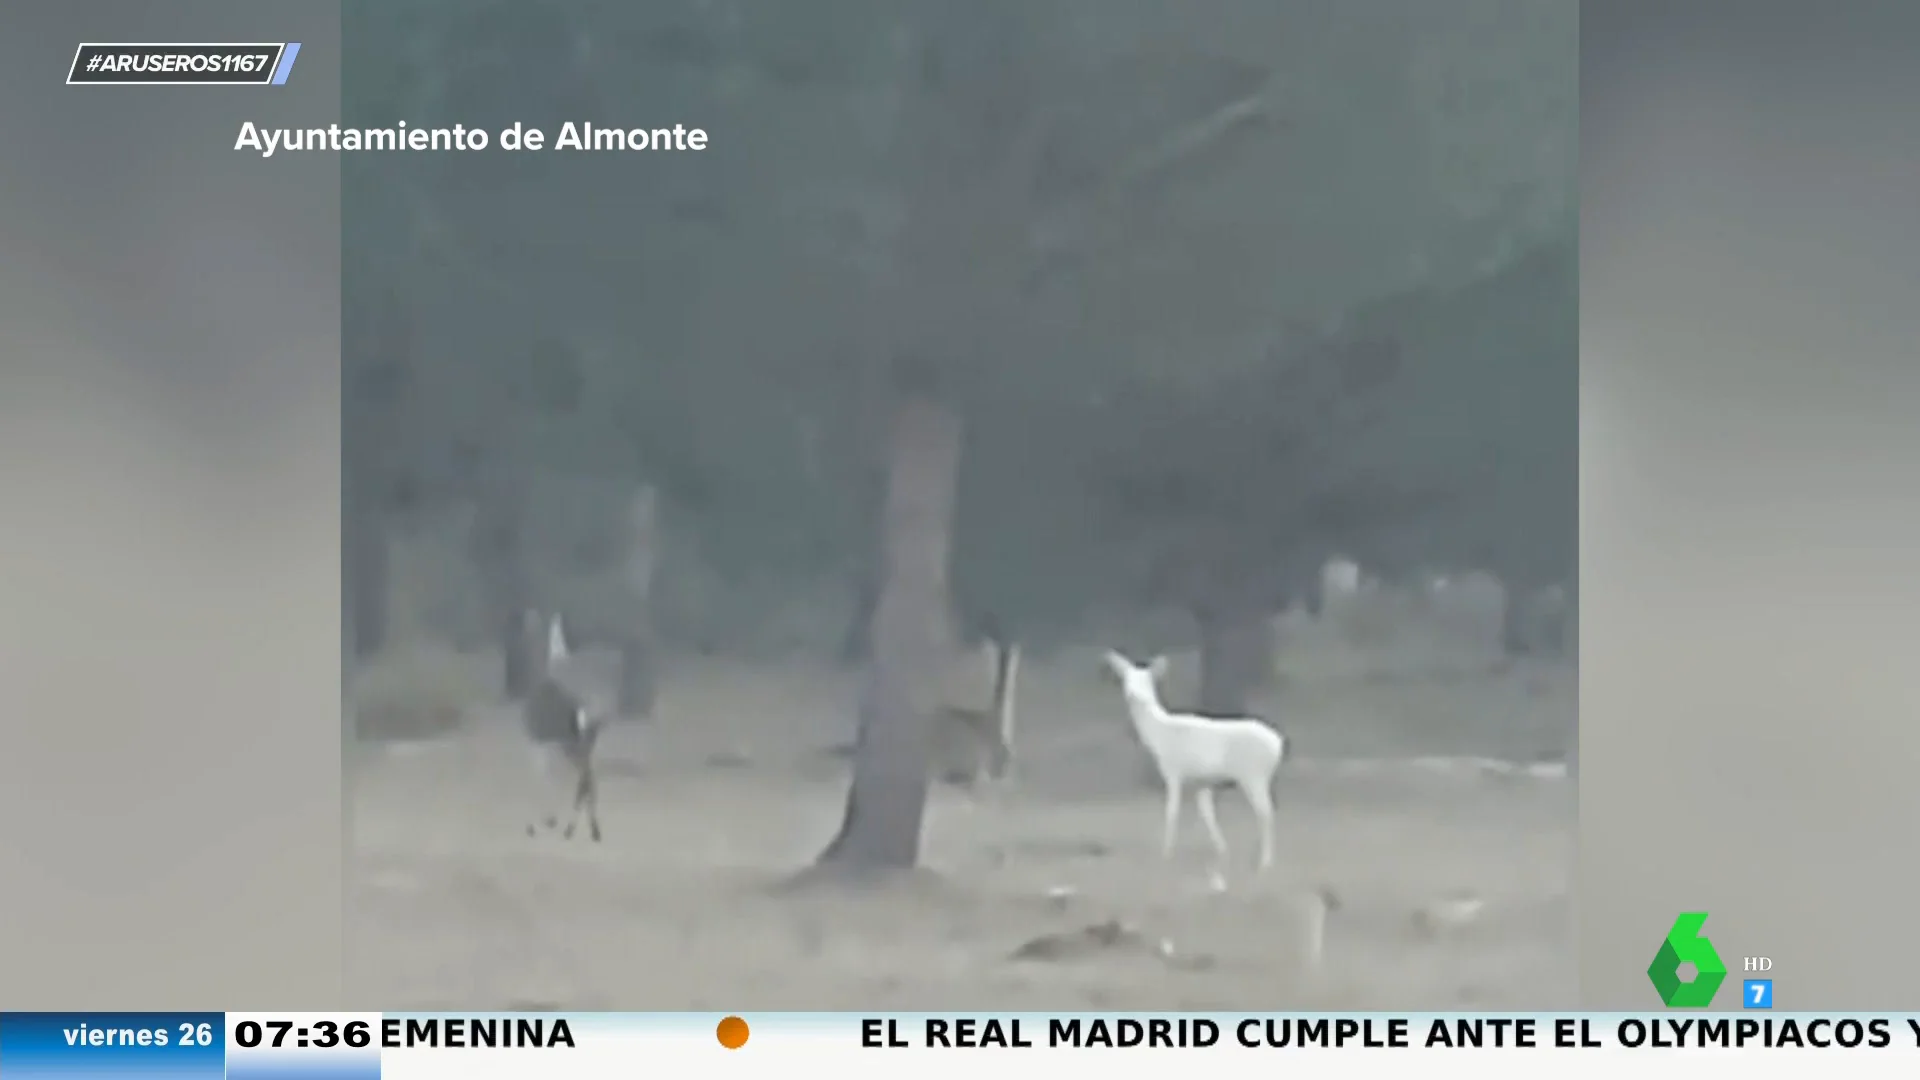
point(974, 745)
point(565, 711)
point(1202, 754)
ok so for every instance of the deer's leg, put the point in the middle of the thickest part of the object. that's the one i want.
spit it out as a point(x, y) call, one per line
point(581, 786)
point(586, 797)
point(1260, 797)
point(1211, 819)
point(593, 803)
point(1174, 795)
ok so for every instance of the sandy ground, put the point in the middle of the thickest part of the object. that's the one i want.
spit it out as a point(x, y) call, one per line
point(713, 804)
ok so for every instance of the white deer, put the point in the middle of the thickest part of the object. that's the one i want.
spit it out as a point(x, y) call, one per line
point(1202, 753)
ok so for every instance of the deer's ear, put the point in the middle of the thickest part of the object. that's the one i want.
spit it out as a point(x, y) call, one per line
point(1158, 667)
point(1117, 663)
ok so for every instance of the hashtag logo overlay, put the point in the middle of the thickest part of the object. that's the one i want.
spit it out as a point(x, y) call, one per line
point(1685, 944)
point(191, 65)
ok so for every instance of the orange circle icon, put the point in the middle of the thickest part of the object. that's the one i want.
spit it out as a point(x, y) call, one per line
point(732, 1033)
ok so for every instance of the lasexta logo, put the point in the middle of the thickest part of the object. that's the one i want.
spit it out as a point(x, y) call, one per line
point(1685, 944)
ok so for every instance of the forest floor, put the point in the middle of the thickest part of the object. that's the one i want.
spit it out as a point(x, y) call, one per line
point(714, 803)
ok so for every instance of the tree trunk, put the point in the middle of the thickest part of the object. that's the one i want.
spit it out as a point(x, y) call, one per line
point(872, 402)
point(511, 603)
point(1570, 632)
point(1515, 633)
point(856, 644)
point(375, 385)
point(500, 555)
point(639, 660)
point(1572, 642)
point(367, 573)
point(886, 803)
point(1236, 657)
point(1551, 628)
point(639, 671)
point(1313, 593)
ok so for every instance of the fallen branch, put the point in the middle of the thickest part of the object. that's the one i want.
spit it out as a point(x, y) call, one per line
point(1192, 139)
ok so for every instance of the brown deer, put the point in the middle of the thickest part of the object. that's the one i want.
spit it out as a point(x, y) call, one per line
point(565, 710)
point(971, 745)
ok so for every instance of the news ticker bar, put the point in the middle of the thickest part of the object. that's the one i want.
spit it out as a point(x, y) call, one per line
point(446, 1046)
point(161, 64)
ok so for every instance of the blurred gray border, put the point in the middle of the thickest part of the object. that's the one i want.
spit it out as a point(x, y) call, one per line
point(1750, 493)
point(170, 791)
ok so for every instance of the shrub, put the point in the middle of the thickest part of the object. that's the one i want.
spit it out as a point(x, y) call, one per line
point(415, 690)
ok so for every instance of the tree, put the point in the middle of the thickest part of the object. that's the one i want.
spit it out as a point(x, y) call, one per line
point(1127, 247)
point(1504, 349)
point(1231, 499)
point(886, 800)
point(639, 643)
point(1412, 157)
point(376, 383)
